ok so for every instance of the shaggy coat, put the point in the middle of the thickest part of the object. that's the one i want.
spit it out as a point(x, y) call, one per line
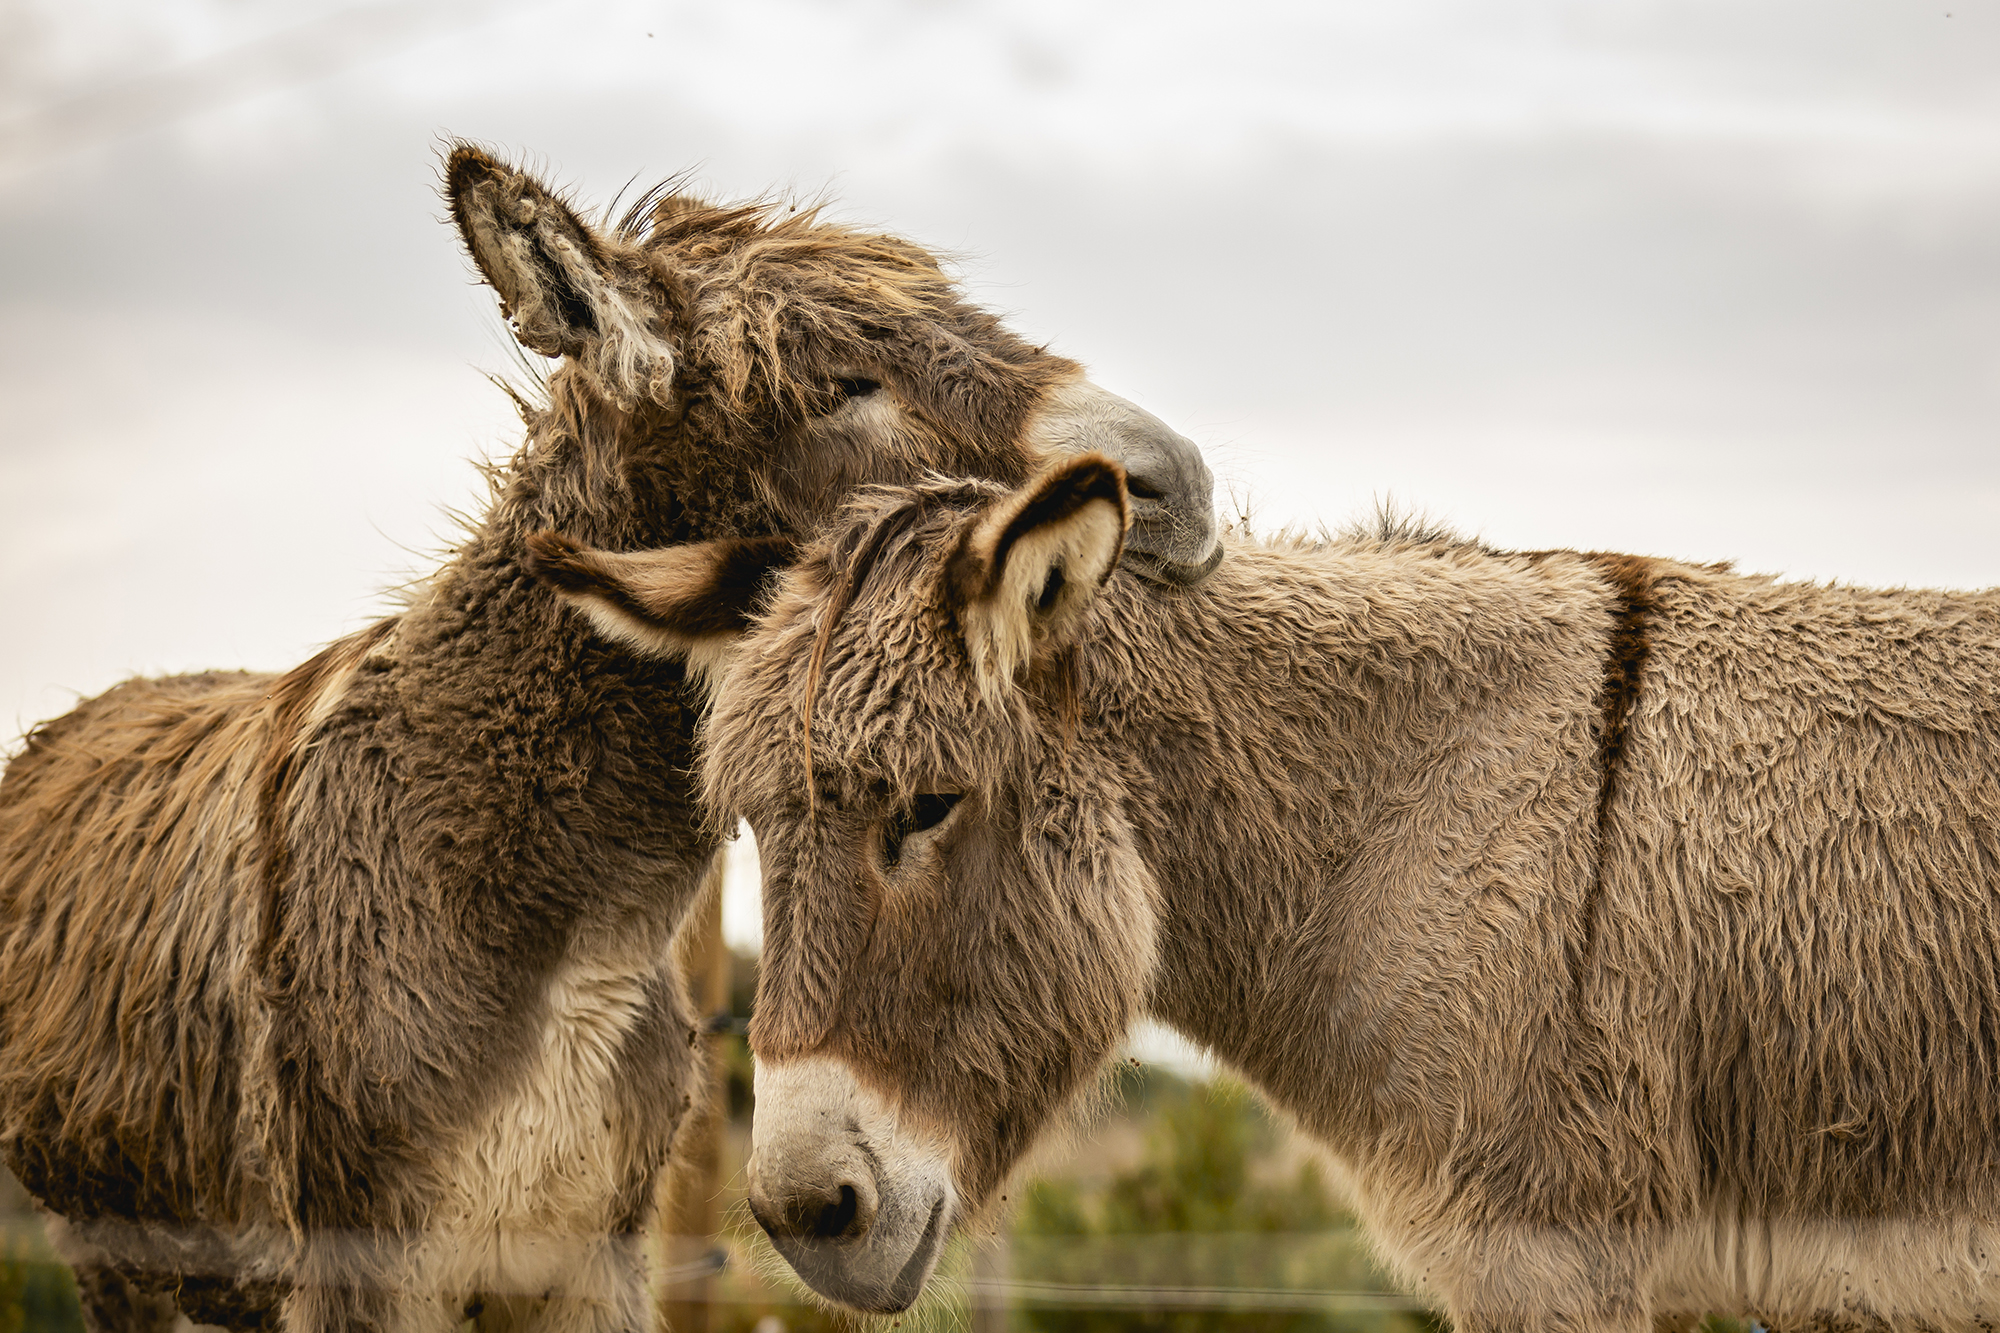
point(1627, 930)
point(343, 998)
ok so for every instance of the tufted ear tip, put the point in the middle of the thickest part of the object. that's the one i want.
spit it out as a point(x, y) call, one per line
point(466, 165)
point(566, 289)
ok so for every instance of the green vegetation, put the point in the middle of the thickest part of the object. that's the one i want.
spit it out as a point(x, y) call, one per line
point(1202, 1141)
point(37, 1293)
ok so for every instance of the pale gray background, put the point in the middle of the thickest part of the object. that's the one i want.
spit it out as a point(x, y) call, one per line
point(1715, 278)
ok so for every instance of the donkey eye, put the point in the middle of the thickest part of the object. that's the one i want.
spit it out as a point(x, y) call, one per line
point(845, 389)
point(927, 811)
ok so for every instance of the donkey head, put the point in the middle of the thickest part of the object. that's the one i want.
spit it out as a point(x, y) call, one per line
point(742, 369)
point(958, 928)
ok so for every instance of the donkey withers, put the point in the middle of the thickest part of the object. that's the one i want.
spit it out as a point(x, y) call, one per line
point(343, 997)
point(1627, 929)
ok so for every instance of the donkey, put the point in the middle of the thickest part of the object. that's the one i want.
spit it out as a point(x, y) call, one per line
point(1628, 931)
point(343, 998)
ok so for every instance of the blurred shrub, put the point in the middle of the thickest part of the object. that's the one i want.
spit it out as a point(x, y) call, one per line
point(37, 1292)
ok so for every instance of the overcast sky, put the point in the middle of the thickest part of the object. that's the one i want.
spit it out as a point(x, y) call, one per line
point(1715, 278)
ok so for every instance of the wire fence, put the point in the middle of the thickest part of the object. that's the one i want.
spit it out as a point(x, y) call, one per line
point(724, 1272)
point(1070, 1295)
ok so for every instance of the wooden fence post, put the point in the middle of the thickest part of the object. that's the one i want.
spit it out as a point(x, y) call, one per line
point(693, 1214)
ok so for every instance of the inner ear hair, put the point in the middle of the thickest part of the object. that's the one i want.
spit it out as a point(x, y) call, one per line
point(530, 246)
point(560, 282)
point(1025, 572)
point(676, 601)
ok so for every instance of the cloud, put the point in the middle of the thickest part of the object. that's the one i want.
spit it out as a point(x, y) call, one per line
point(1699, 278)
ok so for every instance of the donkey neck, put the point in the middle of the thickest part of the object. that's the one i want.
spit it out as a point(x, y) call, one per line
point(613, 479)
point(489, 675)
point(1341, 747)
point(623, 480)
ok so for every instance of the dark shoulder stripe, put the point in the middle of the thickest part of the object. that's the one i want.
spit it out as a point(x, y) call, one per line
point(1635, 605)
point(1634, 587)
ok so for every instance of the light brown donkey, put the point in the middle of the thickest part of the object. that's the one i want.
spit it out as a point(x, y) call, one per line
point(1629, 930)
point(342, 998)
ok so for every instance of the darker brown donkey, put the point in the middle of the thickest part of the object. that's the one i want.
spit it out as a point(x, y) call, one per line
point(1626, 929)
point(342, 998)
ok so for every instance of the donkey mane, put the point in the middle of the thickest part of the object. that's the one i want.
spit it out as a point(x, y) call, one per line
point(880, 544)
point(1392, 524)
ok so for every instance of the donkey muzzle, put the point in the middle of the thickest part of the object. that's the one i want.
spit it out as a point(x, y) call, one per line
point(857, 1206)
point(1173, 539)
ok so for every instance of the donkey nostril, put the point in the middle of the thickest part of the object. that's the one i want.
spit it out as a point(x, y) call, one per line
point(836, 1218)
point(1140, 489)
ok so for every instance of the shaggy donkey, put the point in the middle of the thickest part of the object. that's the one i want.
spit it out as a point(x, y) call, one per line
point(343, 997)
point(1627, 930)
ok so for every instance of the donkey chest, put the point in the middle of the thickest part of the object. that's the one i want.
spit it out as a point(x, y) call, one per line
point(548, 1161)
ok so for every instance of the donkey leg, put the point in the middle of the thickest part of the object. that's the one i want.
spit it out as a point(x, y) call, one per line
point(370, 1309)
point(133, 1275)
point(560, 1312)
point(320, 1307)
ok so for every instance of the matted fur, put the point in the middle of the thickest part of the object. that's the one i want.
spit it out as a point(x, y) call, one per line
point(1625, 928)
point(343, 999)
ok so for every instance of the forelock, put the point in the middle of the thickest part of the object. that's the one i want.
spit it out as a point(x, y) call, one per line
point(857, 668)
point(896, 526)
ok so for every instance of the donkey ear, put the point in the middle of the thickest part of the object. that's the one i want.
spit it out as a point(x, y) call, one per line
point(1024, 574)
point(559, 281)
point(690, 602)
